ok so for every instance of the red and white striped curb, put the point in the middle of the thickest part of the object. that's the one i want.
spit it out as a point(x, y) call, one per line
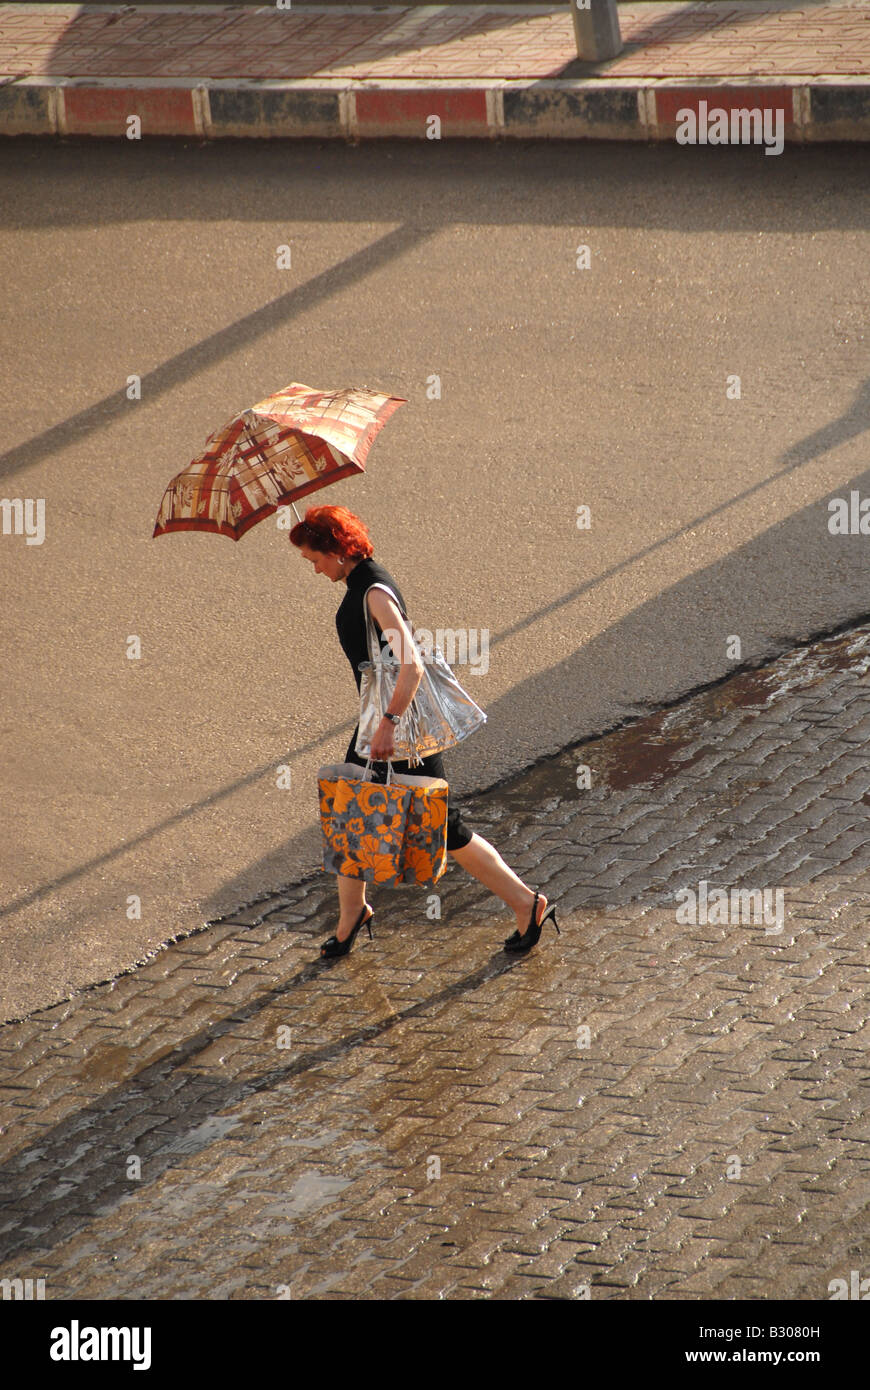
point(826, 109)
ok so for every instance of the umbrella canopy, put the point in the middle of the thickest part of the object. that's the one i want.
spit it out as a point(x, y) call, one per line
point(282, 448)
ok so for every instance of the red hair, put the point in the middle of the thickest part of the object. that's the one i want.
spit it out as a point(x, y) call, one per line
point(334, 531)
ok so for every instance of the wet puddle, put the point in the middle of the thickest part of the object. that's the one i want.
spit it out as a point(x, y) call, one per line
point(667, 743)
point(309, 1193)
point(193, 1140)
point(119, 1063)
point(647, 753)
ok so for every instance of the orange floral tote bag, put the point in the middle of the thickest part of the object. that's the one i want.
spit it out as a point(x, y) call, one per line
point(424, 848)
point(363, 823)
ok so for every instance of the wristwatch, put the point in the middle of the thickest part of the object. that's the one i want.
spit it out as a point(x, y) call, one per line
point(393, 718)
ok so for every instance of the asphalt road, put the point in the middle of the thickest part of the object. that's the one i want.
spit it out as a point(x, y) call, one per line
point(304, 4)
point(156, 778)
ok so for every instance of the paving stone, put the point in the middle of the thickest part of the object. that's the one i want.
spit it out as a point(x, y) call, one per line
point(559, 1165)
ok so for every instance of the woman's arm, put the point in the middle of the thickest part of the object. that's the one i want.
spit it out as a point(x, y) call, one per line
point(386, 613)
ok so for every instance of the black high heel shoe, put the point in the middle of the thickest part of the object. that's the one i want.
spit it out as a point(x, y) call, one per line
point(334, 947)
point(521, 942)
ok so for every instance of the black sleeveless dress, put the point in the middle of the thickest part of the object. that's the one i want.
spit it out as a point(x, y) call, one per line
point(350, 623)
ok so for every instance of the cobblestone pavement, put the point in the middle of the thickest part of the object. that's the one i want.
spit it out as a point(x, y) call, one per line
point(567, 1162)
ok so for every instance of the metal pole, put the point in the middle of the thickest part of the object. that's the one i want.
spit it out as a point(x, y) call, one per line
point(596, 29)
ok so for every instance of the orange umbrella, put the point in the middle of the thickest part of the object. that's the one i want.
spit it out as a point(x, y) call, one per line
point(282, 448)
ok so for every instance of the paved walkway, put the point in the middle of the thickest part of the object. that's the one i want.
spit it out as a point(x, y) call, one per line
point(819, 53)
point(645, 1107)
point(726, 38)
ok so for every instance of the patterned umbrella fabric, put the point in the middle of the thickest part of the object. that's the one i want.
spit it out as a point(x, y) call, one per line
point(282, 448)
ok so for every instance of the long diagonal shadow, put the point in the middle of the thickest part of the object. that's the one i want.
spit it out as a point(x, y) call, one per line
point(169, 822)
point(850, 425)
point(71, 1190)
point(224, 343)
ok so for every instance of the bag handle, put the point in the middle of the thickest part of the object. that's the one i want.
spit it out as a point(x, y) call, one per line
point(371, 635)
point(389, 770)
point(411, 718)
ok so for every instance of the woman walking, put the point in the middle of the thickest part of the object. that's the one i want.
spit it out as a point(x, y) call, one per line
point(337, 544)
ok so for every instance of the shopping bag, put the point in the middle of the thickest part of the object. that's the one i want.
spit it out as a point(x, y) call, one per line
point(363, 823)
point(440, 714)
point(424, 846)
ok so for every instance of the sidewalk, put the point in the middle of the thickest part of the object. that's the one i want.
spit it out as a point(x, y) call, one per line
point(482, 70)
point(649, 1106)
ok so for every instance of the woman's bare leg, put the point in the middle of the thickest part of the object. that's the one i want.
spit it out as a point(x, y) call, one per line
point(351, 898)
point(482, 860)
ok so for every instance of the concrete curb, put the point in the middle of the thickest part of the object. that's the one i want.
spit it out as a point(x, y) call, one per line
point(828, 109)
